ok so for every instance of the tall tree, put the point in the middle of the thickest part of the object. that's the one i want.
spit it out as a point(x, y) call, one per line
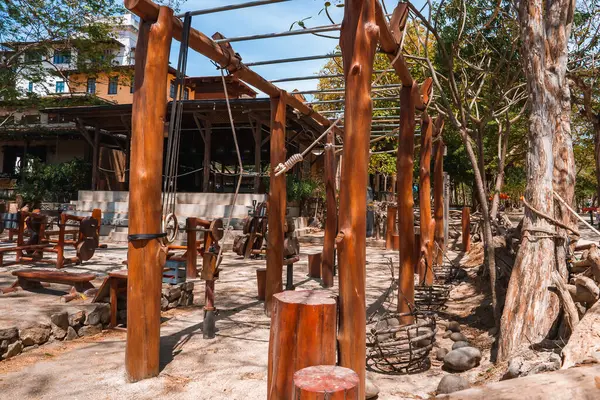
point(531, 309)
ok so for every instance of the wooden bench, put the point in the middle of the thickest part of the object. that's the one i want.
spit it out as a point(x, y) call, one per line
point(33, 278)
point(113, 287)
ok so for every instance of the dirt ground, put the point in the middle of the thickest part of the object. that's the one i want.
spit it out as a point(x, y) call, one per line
point(231, 366)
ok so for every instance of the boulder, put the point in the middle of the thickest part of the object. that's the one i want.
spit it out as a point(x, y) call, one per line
point(58, 332)
point(164, 303)
point(60, 320)
point(89, 330)
point(77, 319)
point(441, 353)
point(71, 333)
point(451, 384)
point(386, 324)
point(173, 304)
point(38, 334)
point(172, 293)
point(190, 299)
point(458, 337)
point(462, 359)
point(99, 315)
point(453, 326)
point(371, 389)
point(10, 334)
point(13, 349)
point(447, 334)
point(458, 345)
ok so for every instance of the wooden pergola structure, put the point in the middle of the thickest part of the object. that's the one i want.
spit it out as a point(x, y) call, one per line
point(364, 28)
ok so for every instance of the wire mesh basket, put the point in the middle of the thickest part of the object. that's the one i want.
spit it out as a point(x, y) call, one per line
point(393, 348)
point(431, 298)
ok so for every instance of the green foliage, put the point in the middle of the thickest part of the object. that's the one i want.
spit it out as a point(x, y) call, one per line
point(301, 190)
point(53, 182)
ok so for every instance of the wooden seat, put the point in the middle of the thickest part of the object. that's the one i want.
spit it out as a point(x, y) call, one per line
point(33, 278)
point(113, 287)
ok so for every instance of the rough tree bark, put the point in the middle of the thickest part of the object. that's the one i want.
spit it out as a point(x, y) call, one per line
point(502, 148)
point(358, 41)
point(531, 309)
point(425, 267)
point(438, 192)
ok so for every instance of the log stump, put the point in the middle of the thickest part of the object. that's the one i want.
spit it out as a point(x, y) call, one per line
point(325, 382)
point(303, 334)
point(261, 282)
point(314, 265)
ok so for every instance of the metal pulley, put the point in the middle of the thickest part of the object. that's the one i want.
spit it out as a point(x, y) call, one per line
point(170, 226)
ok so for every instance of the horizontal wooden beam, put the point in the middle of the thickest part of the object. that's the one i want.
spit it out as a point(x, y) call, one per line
point(148, 11)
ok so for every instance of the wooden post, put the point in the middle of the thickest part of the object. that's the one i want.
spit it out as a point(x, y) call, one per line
point(145, 263)
point(95, 157)
point(426, 255)
point(358, 42)
point(466, 228)
point(314, 265)
point(276, 203)
point(261, 278)
point(406, 230)
point(60, 246)
point(438, 194)
point(257, 147)
point(206, 162)
point(325, 382)
point(191, 224)
point(303, 325)
point(328, 258)
point(391, 226)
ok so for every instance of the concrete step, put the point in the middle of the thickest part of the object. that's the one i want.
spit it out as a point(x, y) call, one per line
point(182, 198)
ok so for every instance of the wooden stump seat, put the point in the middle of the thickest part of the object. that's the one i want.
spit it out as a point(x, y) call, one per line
point(325, 382)
point(314, 265)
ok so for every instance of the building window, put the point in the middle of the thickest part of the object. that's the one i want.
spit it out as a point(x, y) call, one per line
point(30, 88)
point(91, 85)
point(186, 94)
point(33, 56)
point(113, 84)
point(172, 90)
point(60, 87)
point(62, 57)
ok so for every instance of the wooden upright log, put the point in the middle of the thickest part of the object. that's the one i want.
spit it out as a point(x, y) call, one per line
point(438, 193)
point(325, 382)
point(95, 158)
point(276, 203)
point(425, 267)
point(191, 252)
point(145, 263)
point(327, 263)
point(303, 327)
point(466, 228)
point(406, 230)
point(358, 42)
point(391, 226)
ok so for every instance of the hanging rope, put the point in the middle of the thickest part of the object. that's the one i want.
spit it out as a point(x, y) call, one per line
point(169, 199)
point(241, 173)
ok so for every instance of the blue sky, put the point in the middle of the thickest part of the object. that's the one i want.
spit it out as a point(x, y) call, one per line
point(266, 19)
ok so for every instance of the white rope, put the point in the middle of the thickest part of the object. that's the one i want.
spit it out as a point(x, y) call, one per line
point(575, 213)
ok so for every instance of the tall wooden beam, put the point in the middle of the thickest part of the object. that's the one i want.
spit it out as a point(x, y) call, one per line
point(406, 231)
point(426, 255)
point(328, 259)
point(358, 42)
point(144, 262)
point(438, 193)
point(276, 203)
point(207, 152)
point(257, 155)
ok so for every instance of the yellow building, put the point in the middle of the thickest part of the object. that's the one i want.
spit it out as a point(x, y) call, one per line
point(116, 86)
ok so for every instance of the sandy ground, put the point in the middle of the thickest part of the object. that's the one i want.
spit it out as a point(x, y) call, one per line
point(231, 366)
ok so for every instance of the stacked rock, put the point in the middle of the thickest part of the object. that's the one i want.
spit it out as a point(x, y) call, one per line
point(180, 295)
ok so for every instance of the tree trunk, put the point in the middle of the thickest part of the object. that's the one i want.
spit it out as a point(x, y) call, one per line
point(331, 213)
point(358, 41)
point(438, 196)
point(502, 148)
point(531, 309)
point(425, 267)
